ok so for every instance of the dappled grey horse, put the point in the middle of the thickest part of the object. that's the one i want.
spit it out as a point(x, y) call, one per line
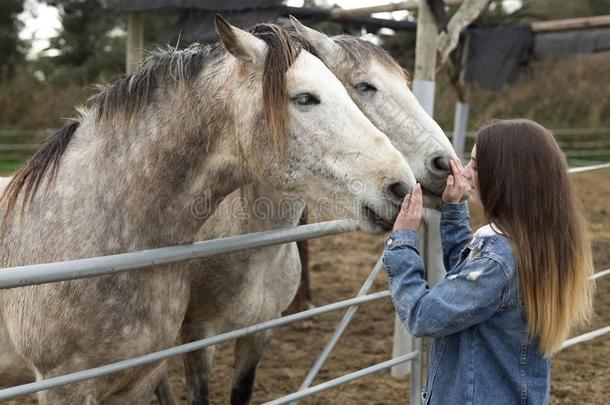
point(233, 291)
point(146, 163)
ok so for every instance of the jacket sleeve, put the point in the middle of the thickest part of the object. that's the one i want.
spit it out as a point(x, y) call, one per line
point(455, 232)
point(461, 300)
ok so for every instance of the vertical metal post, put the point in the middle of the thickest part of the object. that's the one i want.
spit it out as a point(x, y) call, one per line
point(416, 373)
point(135, 41)
point(401, 344)
point(429, 235)
point(402, 341)
point(460, 123)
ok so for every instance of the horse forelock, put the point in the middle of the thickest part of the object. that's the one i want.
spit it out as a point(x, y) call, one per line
point(360, 52)
point(283, 47)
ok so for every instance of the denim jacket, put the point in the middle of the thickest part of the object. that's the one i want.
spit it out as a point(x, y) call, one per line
point(481, 352)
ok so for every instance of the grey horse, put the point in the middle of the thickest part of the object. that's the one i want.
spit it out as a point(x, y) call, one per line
point(146, 163)
point(237, 290)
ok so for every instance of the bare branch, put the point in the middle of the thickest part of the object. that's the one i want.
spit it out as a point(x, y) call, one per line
point(467, 13)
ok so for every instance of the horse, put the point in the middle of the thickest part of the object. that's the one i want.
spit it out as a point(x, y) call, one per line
point(237, 290)
point(149, 159)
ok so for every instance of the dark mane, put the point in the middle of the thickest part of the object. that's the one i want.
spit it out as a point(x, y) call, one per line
point(30, 176)
point(359, 51)
point(131, 93)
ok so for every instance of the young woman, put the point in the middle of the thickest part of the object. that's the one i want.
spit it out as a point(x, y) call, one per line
point(514, 288)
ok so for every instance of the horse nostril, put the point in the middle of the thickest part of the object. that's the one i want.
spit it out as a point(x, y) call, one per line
point(441, 163)
point(398, 190)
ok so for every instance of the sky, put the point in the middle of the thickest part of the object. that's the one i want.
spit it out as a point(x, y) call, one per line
point(41, 21)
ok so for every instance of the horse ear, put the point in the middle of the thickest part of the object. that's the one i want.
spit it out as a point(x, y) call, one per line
point(325, 46)
point(239, 43)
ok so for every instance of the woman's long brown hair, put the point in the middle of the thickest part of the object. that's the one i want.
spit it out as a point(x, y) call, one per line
point(526, 191)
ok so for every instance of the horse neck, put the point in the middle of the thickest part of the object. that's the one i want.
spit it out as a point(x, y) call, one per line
point(159, 176)
point(267, 208)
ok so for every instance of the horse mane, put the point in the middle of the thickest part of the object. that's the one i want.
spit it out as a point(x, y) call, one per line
point(130, 94)
point(29, 177)
point(359, 51)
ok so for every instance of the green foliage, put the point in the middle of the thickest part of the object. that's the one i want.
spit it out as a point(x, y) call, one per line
point(91, 44)
point(86, 48)
point(12, 49)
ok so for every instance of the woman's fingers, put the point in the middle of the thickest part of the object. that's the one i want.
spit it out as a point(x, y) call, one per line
point(459, 183)
point(410, 211)
point(455, 186)
point(406, 202)
point(455, 168)
point(417, 198)
point(410, 201)
point(418, 203)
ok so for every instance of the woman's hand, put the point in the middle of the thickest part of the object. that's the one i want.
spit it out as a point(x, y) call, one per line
point(456, 185)
point(409, 216)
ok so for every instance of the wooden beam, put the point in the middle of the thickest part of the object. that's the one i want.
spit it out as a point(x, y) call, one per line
point(571, 24)
point(135, 41)
point(425, 46)
point(411, 5)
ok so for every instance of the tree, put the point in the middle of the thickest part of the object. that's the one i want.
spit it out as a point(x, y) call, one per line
point(12, 49)
point(90, 43)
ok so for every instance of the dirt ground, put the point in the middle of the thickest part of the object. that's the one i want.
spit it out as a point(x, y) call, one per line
point(339, 266)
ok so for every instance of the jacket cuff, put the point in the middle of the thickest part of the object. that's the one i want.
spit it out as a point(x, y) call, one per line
point(402, 237)
point(455, 211)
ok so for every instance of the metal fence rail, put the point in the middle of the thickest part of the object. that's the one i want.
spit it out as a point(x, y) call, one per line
point(588, 168)
point(91, 267)
point(600, 274)
point(185, 348)
point(96, 266)
point(344, 379)
point(334, 339)
point(585, 337)
point(556, 132)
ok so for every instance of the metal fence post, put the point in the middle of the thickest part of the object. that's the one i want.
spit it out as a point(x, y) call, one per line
point(460, 122)
point(416, 372)
point(423, 89)
point(402, 340)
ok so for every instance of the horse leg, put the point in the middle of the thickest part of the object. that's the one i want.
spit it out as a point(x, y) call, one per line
point(142, 391)
point(65, 396)
point(248, 353)
point(164, 392)
point(303, 300)
point(197, 366)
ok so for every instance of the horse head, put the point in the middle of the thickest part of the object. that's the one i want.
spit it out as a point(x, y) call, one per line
point(379, 86)
point(321, 143)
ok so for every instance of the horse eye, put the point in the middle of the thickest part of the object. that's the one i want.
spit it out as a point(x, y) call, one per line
point(306, 99)
point(364, 87)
